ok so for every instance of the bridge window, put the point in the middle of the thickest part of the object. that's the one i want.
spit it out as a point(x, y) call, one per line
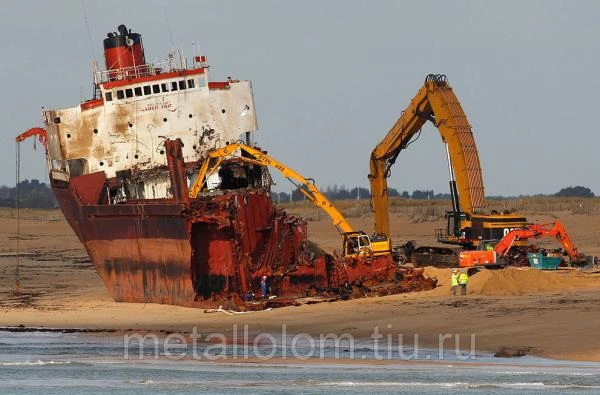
point(182, 84)
point(201, 81)
point(156, 88)
point(108, 96)
point(138, 91)
point(164, 87)
point(129, 93)
point(147, 90)
point(190, 84)
point(173, 86)
point(120, 94)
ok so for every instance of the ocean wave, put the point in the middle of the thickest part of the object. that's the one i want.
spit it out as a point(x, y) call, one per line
point(392, 384)
point(534, 385)
point(458, 384)
point(39, 362)
point(539, 372)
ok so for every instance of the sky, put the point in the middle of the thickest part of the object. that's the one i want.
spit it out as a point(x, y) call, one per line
point(330, 79)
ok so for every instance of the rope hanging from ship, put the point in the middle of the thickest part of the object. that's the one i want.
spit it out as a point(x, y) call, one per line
point(42, 137)
point(18, 180)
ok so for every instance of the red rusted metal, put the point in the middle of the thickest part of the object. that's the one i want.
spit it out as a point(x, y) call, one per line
point(89, 189)
point(177, 172)
point(213, 253)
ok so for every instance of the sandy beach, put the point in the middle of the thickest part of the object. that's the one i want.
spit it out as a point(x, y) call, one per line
point(549, 314)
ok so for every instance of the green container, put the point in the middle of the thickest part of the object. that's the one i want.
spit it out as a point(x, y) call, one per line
point(541, 262)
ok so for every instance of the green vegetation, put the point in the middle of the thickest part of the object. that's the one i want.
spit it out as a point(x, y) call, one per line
point(355, 201)
point(32, 194)
point(577, 191)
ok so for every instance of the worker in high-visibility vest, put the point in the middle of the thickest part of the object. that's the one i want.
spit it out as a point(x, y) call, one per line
point(463, 279)
point(454, 281)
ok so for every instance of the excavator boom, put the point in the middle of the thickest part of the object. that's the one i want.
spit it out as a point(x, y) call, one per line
point(437, 103)
point(306, 186)
point(542, 230)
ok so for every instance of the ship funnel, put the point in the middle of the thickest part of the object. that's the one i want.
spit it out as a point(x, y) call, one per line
point(123, 50)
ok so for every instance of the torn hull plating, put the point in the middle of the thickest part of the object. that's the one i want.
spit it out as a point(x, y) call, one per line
point(215, 251)
point(207, 255)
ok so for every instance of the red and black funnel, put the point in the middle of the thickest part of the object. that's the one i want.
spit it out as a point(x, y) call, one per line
point(123, 49)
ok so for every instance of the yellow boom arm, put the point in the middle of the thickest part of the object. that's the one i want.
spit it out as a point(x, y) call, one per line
point(306, 186)
point(436, 102)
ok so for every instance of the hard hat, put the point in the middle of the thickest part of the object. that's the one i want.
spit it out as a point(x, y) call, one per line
point(264, 277)
point(454, 270)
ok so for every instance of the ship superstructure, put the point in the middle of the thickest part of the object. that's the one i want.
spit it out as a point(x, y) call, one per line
point(139, 106)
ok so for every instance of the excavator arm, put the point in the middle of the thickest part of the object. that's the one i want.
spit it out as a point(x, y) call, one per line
point(564, 240)
point(542, 230)
point(253, 155)
point(502, 248)
point(505, 244)
point(437, 103)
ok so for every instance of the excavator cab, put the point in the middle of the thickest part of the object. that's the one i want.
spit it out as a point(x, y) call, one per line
point(358, 243)
point(457, 230)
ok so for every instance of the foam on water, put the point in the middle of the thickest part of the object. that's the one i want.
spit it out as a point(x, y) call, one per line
point(34, 363)
point(68, 363)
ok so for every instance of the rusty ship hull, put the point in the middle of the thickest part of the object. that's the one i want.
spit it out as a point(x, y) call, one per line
point(212, 251)
point(120, 165)
point(207, 253)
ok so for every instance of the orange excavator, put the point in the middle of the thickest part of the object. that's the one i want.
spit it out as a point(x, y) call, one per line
point(499, 254)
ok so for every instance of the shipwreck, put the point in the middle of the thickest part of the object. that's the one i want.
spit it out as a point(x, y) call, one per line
point(121, 165)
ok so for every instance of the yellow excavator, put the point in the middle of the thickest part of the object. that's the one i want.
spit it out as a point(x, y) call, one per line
point(355, 243)
point(466, 223)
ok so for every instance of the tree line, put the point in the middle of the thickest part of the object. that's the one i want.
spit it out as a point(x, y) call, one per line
point(359, 193)
point(35, 194)
point(32, 194)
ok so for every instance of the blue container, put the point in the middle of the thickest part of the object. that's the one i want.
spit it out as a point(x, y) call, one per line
point(541, 262)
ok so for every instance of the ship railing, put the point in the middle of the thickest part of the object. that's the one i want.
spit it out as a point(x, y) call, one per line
point(127, 73)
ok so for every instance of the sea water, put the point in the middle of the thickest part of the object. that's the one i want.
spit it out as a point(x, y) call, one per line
point(75, 363)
